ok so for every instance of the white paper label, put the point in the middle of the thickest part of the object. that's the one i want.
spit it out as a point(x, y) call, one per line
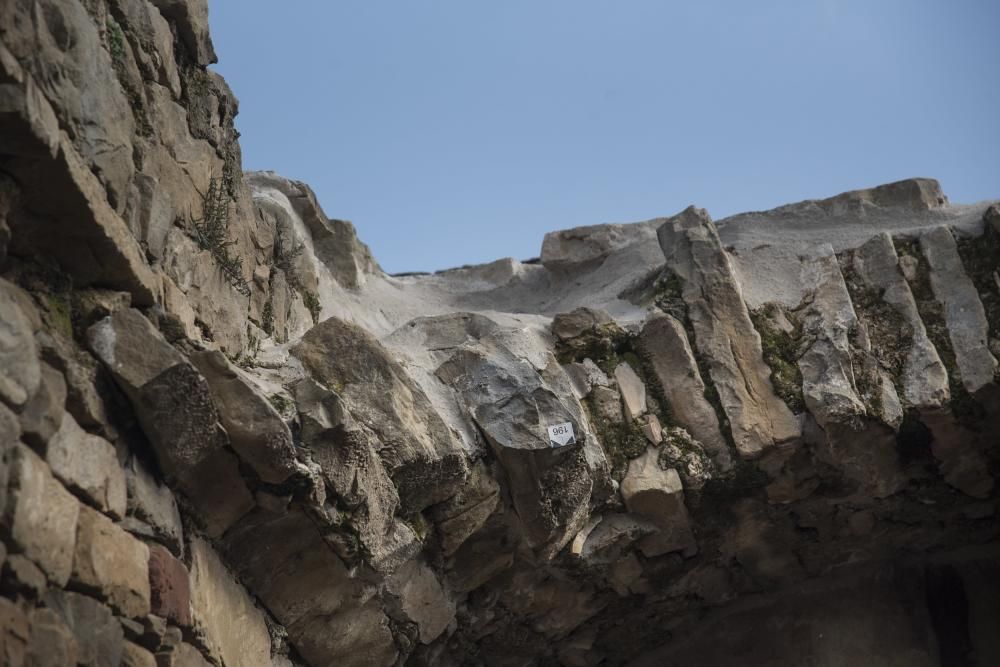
point(561, 435)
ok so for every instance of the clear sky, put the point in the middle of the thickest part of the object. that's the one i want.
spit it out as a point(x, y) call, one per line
point(460, 131)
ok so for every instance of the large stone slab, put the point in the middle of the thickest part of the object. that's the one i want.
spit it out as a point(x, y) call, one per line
point(225, 616)
point(111, 563)
point(51, 643)
point(169, 587)
point(666, 346)
point(352, 469)
point(255, 429)
point(331, 617)
point(924, 379)
point(42, 415)
point(424, 458)
point(724, 334)
point(18, 352)
point(513, 406)
point(40, 514)
point(964, 315)
point(174, 406)
point(421, 599)
point(151, 503)
point(98, 634)
point(582, 248)
point(656, 494)
point(88, 465)
point(632, 389)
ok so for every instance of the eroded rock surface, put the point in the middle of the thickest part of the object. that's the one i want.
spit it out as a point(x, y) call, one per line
point(227, 437)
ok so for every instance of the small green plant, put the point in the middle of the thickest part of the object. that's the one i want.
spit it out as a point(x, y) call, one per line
point(116, 40)
point(781, 354)
point(267, 317)
point(212, 234)
point(285, 253)
point(311, 302)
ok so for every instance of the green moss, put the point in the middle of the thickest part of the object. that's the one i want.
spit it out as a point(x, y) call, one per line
point(60, 312)
point(267, 316)
point(889, 334)
point(116, 47)
point(602, 345)
point(668, 295)
point(621, 442)
point(419, 525)
point(781, 354)
point(669, 298)
point(311, 301)
point(280, 403)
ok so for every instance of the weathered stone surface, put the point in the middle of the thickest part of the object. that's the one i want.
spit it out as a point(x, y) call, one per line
point(348, 458)
point(828, 381)
point(256, 430)
point(181, 655)
point(51, 643)
point(566, 326)
point(964, 316)
point(606, 543)
point(421, 599)
point(21, 575)
point(10, 430)
point(581, 248)
point(152, 503)
point(508, 400)
point(607, 404)
point(82, 231)
point(424, 458)
point(656, 494)
point(134, 655)
point(43, 413)
point(632, 389)
point(688, 457)
point(224, 615)
point(88, 465)
point(551, 606)
point(174, 407)
point(40, 515)
point(724, 333)
point(169, 586)
point(761, 545)
point(330, 616)
point(924, 379)
point(652, 430)
point(14, 633)
point(191, 19)
point(464, 513)
point(112, 563)
point(335, 242)
point(18, 351)
point(99, 636)
point(86, 384)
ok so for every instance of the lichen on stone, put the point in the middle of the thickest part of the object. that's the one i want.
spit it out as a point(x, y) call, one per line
point(781, 353)
point(981, 259)
point(963, 405)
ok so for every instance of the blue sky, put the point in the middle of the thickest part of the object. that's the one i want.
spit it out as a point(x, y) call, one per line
point(460, 131)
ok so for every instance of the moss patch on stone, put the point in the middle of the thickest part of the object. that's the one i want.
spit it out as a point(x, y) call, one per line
point(781, 354)
point(965, 408)
point(621, 442)
point(981, 259)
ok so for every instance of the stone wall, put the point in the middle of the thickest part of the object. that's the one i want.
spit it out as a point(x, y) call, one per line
point(228, 438)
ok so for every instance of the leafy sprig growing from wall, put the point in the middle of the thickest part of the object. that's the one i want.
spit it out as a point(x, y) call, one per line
point(212, 234)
